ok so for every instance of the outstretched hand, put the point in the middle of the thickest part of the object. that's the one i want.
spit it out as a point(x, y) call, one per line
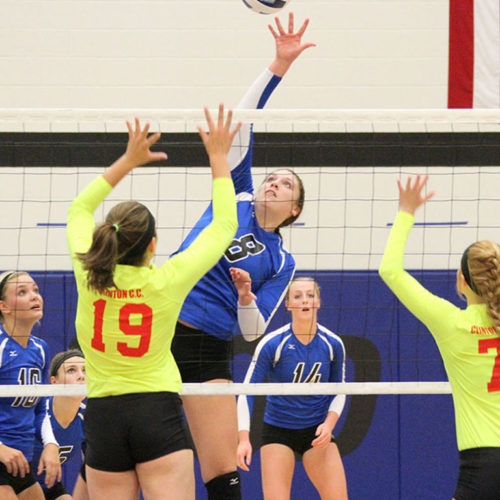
point(411, 196)
point(288, 45)
point(219, 137)
point(139, 144)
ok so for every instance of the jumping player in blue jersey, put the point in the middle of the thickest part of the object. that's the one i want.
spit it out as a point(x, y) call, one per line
point(23, 360)
point(302, 351)
point(66, 414)
point(242, 291)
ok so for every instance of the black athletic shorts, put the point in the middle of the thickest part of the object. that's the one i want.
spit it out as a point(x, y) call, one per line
point(299, 440)
point(55, 491)
point(200, 356)
point(479, 474)
point(122, 431)
point(17, 483)
point(58, 490)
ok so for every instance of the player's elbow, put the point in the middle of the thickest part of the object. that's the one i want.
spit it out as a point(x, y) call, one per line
point(251, 336)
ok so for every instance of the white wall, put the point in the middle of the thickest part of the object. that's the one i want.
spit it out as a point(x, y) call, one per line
point(188, 53)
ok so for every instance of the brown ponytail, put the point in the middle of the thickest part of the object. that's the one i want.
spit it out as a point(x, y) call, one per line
point(484, 267)
point(122, 239)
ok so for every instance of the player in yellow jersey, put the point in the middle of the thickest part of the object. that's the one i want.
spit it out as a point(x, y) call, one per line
point(125, 321)
point(468, 340)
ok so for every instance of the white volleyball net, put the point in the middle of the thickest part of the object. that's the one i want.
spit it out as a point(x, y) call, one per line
point(349, 161)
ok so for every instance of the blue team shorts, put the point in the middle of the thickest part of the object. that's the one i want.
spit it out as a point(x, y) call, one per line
point(479, 474)
point(201, 357)
point(299, 440)
point(122, 431)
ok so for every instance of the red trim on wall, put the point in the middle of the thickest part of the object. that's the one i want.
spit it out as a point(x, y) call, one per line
point(461, 54)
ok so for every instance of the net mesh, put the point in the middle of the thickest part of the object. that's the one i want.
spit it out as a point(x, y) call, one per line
point(349, 161)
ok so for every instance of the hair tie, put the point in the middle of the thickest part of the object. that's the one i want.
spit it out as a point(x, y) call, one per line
point(64, 356)
point(4, 282)
point(464, 267)
point(115, 226)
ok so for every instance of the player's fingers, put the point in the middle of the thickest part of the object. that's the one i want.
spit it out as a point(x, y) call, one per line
point(272, 31)
point(240, 459)
point(400, 187)
point(203, 135)
point(158, 156)
point(152, 139)
point(208, 117)
point(235, 130)
point(229, 119)
point(12, 467)
point(306, 46)
point(279, 26)
point(290, 22)
point(417, 184)
point(130, 130)
point(428, 196)
point(220, 117)
point(25, 467)
point(144, 133)
point(303, 28)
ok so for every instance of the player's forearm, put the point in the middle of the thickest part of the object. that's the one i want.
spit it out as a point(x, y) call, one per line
point(250, 320)
point(219, 166)
point(118, 170)
point(243, 436)
point(279, 67)
point(331, 419)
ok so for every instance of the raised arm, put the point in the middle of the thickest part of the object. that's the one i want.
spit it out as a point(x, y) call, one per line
point(204, 252)
point(80, 216)
point(288, 47)
point(433, 311)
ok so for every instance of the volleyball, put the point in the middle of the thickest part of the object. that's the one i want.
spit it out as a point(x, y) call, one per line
point(266, 6)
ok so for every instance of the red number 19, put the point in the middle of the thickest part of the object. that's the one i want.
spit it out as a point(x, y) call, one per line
point(143, 329)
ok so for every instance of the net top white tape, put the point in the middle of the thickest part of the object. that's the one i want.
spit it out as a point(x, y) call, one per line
point(351, 388)
point(268, 120)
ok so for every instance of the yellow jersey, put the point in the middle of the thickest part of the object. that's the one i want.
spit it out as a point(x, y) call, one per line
point(467, 341)
point(125, 333)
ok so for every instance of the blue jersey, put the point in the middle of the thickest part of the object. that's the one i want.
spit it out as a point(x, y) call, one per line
point(212, 305)
point(71, 439)
point(22, 417)
point(281, 357)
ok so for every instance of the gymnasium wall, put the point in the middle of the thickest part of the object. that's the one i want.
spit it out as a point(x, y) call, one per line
point(190, 53)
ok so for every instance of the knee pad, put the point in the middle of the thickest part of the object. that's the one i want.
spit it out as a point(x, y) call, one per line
point(224, 487)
